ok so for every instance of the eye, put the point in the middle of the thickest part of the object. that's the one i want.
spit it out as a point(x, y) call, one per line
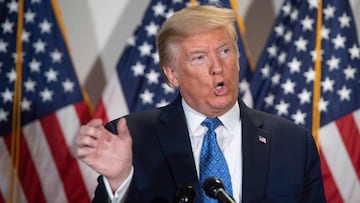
point(224, 52)
point(198, 59)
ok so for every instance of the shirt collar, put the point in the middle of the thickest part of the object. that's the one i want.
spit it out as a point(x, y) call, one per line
point(194, 118)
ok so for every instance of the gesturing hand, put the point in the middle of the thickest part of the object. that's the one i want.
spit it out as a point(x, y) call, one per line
point(107, 153)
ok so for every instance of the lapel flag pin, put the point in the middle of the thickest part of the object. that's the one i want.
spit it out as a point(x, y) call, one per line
point(262, 139)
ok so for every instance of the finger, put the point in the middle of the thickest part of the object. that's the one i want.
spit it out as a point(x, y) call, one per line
point(83, 152)
point(86, 141)
point(87, 131)
point(97, 122)
point(122, 127)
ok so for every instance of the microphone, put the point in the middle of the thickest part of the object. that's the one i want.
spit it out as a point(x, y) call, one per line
point(185, 194)
point(214, 188)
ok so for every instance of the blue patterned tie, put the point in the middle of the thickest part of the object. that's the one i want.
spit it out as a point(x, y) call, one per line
point(212, 160)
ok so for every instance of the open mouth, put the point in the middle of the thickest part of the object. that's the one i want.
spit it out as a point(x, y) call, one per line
point(219, 85)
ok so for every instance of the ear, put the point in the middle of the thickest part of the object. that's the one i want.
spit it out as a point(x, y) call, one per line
point(171, 75)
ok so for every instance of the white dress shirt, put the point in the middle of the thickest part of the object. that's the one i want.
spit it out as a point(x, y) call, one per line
point(229, 140)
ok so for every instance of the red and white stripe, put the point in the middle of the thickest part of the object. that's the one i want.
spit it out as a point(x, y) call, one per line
point(48, 171)
point(340, 152)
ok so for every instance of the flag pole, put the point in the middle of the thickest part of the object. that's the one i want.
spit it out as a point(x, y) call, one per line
point(13, 187)
point(317, 79)
point(241, 25)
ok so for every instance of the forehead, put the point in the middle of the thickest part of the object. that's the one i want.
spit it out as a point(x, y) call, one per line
point(210, 39)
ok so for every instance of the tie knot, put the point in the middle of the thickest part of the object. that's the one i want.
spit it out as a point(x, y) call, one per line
point(211, 123)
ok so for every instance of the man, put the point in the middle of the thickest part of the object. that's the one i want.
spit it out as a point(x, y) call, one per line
point(147, 156)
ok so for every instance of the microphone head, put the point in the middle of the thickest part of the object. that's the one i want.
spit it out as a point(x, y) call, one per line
point(211, 186)
point(185, 194)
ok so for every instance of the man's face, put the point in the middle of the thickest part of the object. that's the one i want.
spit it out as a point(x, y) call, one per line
point(206, 71)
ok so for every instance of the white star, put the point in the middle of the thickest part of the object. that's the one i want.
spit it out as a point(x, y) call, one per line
point(333, 63)
point(279, 30)
point(299, 117)
point(313, 4)
point(301, 44)
point(294, 15)
point(46, 95)
point(25, 36)
point(339, 41)
point(15, 56)
point(56, 56)
point(307, 23)
point(35, 1)
point(131, 41)
point(323, 104)
point(304, 96)
point(265, 71)
point(155, 57)
point(169, 13)
point(138, 69)
point(354, 52)
point(7, 95)
point(26, 104)
point(147, 97)
point(68, 85)
point(275, 79)
point(325, 32)
point(344, 93)
point(3, 46)
point(153, 77)
point(163, 102)
point(288, 87)
point(7, 26)
point(145, 49)
point(282, 58)
point(282, 108)
point(11, 75)
point(30, 85)
point(167, 88)
point(35, 65)
point(29, 16)
point(159, 9)
point(327, 85)
point(294, 65)
point(272, 51)
point(329, 12)
point(39, 46)
point(151, 29)
point(288, 36)
point(344, 20)
point(244, 85)
point(3, 115)
point(286, 9)
point(269, 100)
point(45, 26)
point(349, 73)
point(13, 6)
point(314, 55)
point(51, 75)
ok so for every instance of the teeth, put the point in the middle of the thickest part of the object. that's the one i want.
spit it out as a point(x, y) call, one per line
point(219, 85)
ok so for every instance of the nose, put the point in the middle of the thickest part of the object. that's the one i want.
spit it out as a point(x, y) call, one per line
point(215, 65)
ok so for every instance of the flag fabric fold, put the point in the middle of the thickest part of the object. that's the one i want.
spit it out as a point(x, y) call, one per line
point(52, 108)
point(284, 78)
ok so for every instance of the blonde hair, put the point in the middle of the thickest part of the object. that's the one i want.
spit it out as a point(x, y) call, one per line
point(190, 21)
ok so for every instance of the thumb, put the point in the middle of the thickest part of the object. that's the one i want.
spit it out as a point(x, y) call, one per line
point(122, 128)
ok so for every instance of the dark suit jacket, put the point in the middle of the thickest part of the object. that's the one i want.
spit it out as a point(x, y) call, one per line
point(284, 169)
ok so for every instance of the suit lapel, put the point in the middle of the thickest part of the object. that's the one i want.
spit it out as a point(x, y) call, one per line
point(175, 141)
point(256, 152)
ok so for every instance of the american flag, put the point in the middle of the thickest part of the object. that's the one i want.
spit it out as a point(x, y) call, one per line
point(284, 79)
point(52, 108)
point(137, 83)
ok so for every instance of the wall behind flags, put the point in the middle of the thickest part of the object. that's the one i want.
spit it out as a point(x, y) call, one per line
point(97, 32)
